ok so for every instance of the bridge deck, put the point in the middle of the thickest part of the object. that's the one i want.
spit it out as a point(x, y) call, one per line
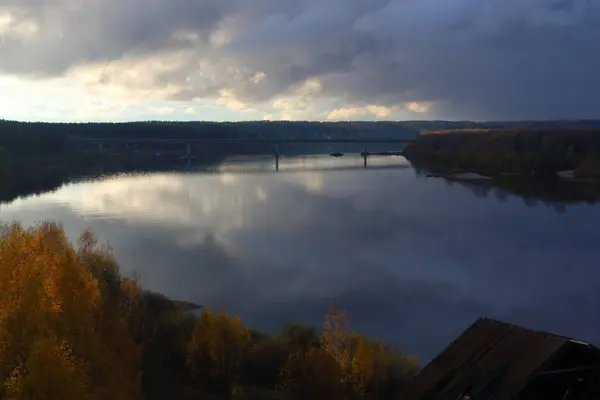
point(235, 140)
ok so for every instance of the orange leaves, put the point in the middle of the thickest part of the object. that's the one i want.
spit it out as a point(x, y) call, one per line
point(54, 331)
point(218, 346)
point(363, 365)
point(336, 339)
point(50, 372)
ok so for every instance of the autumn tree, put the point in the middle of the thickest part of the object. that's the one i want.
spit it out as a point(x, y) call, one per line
point(311, 374)
point(336, 340)
point(50, 372)
point(299, 337)
point(57, 340)
point(264, 360)
point(363, 365)
point(380, 365)
point(216, 349)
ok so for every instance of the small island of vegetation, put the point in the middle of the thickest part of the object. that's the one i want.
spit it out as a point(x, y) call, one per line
point(71, 327)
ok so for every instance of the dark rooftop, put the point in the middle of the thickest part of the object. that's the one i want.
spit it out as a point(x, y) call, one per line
point(491, 360)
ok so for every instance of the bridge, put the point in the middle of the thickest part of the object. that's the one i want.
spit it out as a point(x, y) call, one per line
point(99, 142)
point(232, 140)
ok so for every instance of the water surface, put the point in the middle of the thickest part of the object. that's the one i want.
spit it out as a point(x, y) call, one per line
point(413, 260)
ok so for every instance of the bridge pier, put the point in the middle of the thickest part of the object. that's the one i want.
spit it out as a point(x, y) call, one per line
point(100, 147)
point(188, 149)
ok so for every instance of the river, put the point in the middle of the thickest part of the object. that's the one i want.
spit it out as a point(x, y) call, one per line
point(414, 260)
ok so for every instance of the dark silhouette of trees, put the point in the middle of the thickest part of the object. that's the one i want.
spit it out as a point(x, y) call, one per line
point(496, 152)
point(523, 162)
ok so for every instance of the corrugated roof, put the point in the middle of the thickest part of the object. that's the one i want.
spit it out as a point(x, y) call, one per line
point(490, 357)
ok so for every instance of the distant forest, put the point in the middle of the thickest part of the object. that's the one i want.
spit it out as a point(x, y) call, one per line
point(496, 152)
point(40, 133)
point(557, 166)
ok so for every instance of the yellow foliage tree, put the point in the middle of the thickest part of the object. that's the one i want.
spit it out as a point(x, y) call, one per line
point(380, 366)
point(363, 365)
point(50, 372)
point(217, 347)
point(337, 340)
point(52, 312)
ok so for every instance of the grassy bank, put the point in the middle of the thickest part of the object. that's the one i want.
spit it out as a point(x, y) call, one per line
point(71, 327)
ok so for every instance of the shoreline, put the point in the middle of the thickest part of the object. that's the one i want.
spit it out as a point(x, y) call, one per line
point(562, 154)
point(556, 166)
point(566, 176)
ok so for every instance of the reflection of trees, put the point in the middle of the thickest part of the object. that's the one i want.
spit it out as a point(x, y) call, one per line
point(419, 173)
point(481, 191)
point(553, 194)
point(25, 177)
point(500, 194)
point(512, 155)
point(530, 202)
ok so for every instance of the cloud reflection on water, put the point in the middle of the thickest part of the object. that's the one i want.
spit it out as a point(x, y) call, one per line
point(413, 260)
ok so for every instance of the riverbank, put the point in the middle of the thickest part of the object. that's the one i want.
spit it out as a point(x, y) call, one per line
point(554, 165)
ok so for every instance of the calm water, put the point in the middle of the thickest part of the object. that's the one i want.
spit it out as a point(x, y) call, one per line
point(412, 260)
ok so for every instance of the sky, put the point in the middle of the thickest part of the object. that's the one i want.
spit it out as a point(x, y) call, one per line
point(121, 60)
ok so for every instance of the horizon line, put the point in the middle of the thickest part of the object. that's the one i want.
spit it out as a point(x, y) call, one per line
point(304, 121)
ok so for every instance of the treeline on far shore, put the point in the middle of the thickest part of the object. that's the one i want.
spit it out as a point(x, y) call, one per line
point(556, 166)
point(34, 162)
point(72, 327)
point(494, 152)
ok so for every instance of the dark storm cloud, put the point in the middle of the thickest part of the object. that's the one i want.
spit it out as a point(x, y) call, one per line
point(75, 32)
point(494, 59)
